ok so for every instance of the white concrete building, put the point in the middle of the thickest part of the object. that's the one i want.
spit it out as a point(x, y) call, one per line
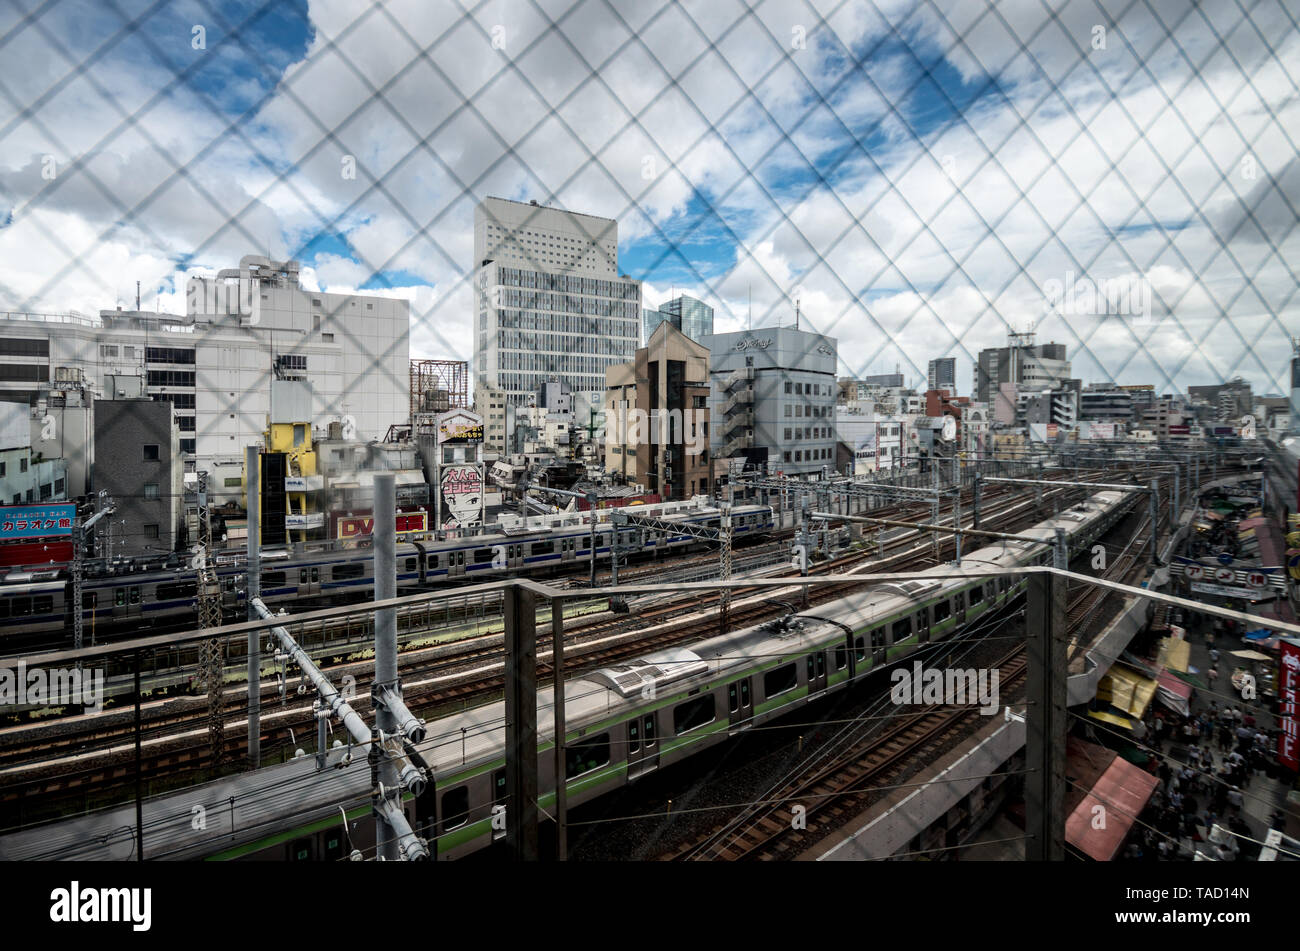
point(549, 301)
point(245, 327)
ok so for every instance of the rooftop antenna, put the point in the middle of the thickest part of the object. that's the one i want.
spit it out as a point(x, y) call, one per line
point(137, 295)
point(796, 314)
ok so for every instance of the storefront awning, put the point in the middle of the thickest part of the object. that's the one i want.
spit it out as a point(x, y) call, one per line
point(1122, 791)
point(1175, 653)
point(1126, 691)
point(1174, 694)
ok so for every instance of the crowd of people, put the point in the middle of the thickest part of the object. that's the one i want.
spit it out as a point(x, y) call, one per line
point(1218, 752)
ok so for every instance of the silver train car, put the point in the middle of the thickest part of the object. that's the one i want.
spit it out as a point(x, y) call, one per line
point(36, 605)
point(622, 723)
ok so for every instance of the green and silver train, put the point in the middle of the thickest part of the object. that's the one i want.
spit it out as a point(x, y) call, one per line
point(622, 723)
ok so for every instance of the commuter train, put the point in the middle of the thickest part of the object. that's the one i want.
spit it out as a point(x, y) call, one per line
point(621, 724)
point(34, 604)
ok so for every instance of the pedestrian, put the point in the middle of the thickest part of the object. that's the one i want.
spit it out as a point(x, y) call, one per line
point(1214, 657)
point(1235, 800)
point(1213, 674)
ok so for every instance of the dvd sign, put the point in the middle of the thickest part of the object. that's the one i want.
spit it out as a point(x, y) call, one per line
point(363, 526)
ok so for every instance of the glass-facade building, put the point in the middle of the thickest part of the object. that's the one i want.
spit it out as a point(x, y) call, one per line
point(692, 317)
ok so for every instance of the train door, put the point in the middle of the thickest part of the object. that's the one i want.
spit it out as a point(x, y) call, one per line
point(499, 798)
point(922, 626)
point(308, 581)
point(815, 667)
point(456, 564)
point(879, 647)
point(642, 746)
point(740, 702)
point(421, 563)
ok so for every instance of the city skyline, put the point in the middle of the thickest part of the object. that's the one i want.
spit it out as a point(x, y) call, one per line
point(896, 191)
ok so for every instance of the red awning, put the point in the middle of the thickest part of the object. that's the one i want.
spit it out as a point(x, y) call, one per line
point(1174, 693)
point(1122, 791)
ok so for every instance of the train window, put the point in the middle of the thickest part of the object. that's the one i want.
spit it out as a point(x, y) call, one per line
point(333, 840)
point(650, 720)
point(901, 631)
point(841, 657)
point(811, 666)
point(276, 579)
point(4, 607)
point(135, 595)
point(920, 622)
point(89, 599)
point(877, 638)
point(541, 548)
point(315, 575)
point(42, 604)
point(455, 808)
point(942, 611)
point(583, 757)
point(20, 607)
point(300, 850)
point(634, 734)
point(410, 564)
point(990, 590)
point(860, 648)
point(821, 664)
point(482, 555)
point(499, 795)
point(176, 591)
point(344, 572)
point(780, 680)
point(733, 697)
point(302, 576)
point(119, 597)
point(693, 713)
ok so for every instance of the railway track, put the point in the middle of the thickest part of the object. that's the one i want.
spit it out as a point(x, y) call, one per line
point(434, 679)
point(839, 779)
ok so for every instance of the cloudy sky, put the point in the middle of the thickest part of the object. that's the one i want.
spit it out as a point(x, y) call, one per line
point(918, 176)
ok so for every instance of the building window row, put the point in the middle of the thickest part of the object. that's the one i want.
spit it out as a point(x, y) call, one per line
point(543, 281)
point(568, 303)
point(168, 355)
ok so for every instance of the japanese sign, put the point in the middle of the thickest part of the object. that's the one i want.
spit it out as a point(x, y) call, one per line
point(1288, 695)
point(36, 521)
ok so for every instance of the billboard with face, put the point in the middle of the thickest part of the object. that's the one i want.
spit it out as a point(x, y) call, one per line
point(460, 493)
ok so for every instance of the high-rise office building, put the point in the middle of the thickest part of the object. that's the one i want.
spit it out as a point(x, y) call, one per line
point(1029, 365)
point(692, 317)
point(549, 301)
point(943, 374)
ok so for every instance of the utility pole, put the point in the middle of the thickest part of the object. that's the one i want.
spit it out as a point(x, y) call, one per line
point(209, 607)
point(385, 684)
point(521, 722)
point(1155, 518)
point(253, 584)
point(724, 603)
point(79, 536)
point(1045, 714)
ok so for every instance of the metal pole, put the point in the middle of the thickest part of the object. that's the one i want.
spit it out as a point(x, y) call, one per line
point(979, 480)
point(139, 774)
point(521, 722)
point(253, 479)
point(1155, 516)
point(385, 552)
point(591, 501)
point(1045, 719)
point(561, 778)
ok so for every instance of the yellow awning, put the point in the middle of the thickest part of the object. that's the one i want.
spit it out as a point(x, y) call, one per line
point(1111, 718)
point(1126, 690)
point(1175, 654)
